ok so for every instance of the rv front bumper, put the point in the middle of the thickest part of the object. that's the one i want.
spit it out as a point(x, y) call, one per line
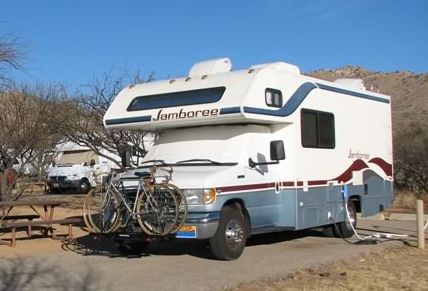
point(199, 225)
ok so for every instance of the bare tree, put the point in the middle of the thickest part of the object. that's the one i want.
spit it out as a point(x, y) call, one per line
point(11, 55)
point(82, 118)
point(411, 164)
point(26, 133)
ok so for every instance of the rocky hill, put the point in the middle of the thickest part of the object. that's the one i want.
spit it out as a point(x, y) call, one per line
point(408, 91)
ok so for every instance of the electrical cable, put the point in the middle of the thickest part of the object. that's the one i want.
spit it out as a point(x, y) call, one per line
point(370, 239)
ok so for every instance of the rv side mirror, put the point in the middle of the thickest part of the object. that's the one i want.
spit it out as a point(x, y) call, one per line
point(277, 151)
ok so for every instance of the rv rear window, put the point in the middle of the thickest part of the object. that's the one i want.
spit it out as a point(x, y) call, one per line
point(273, 97)
point(318, 129)
point(183, 98)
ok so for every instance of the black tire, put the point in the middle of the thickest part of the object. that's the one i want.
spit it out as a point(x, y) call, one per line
point(229, 241)
point(328, 231)
point(344, 229)
point(84, 186)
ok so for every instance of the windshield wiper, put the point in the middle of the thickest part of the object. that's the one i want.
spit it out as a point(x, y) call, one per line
point(154, 162)
point(202, 162)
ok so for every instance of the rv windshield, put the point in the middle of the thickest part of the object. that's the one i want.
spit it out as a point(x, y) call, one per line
point(209, 145)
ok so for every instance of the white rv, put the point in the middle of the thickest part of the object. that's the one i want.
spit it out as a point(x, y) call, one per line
point(264, 149)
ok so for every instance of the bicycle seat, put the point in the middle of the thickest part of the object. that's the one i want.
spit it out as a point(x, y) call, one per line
point(142, 174)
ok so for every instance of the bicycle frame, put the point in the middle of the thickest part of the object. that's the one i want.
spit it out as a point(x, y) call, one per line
point(143, 183)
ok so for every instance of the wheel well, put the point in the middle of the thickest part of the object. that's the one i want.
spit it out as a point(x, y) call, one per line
point(357, 202)
point(240, 205)
point(84, 179)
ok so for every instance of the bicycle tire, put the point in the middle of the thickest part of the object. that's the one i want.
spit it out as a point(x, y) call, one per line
point(182, 206)
point(101, 211)
point(157, 210)
point(86, 212)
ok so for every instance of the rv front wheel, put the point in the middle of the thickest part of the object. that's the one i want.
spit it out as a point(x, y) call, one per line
point(228, 242)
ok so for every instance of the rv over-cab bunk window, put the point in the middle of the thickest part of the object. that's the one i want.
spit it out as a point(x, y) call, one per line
point(317, 129)
point(273, 98)
point(183, 98)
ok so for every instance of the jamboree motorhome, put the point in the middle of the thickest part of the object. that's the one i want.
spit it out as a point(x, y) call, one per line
point(264, 149)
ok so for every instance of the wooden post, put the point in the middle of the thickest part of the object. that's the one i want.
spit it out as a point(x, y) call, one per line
point(420, 223)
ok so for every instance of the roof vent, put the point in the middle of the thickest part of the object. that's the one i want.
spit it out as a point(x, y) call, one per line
point(281, 66)
point(211, 67)
point(354, 83)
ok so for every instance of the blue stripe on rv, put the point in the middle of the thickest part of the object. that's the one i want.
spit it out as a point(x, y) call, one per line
point(301, 93)
point(129, 120)
point(292, 104)
point(351, 93)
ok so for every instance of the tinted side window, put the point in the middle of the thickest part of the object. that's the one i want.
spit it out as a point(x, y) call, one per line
point(318, 129)
point(183, 98)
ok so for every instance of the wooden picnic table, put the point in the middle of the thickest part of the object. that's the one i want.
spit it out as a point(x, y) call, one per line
point(47, 204)
point(24, 220)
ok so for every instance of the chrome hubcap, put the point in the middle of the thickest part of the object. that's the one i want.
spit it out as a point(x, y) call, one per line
point(234, 234)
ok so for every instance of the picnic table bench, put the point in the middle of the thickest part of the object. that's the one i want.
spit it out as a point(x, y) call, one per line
point(44, 218)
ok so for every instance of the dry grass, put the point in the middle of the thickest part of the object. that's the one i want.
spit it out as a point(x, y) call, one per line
point(405, 201)
point(398, 268)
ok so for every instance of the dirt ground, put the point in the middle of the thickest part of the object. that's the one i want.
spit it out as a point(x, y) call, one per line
point(398, 268)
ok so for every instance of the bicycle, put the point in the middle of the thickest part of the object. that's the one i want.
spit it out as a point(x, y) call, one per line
point(159, 208)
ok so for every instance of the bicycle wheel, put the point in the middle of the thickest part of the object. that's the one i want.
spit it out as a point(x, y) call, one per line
point(101, 211)
point(86, 211)
point(182, 206)
point(157, 210)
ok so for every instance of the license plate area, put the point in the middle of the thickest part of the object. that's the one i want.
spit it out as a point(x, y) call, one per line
point(56, 185)
point(186, 231)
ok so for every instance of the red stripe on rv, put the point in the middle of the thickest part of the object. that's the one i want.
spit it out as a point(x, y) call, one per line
point(246, 187)
point(385, 166)
point(357, 165)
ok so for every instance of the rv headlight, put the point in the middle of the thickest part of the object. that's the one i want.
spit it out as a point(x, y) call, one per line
point(200, 196)
point(71, 177)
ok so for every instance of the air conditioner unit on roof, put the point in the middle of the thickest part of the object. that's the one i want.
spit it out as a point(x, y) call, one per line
point(210, 67)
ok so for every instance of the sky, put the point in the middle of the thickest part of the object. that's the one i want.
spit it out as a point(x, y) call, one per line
point(73, 41)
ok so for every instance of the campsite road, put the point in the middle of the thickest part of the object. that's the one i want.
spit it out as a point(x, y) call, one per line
point(186, 265)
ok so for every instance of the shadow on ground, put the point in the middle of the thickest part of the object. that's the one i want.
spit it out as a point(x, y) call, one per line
point(37, 274)
point(107, 245)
